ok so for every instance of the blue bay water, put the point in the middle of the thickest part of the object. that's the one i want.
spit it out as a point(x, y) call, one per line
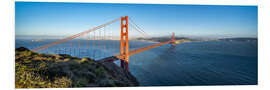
point(193, 63)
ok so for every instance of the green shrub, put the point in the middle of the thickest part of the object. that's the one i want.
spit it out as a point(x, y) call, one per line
point(26, 77)
point(84, 59)
point(81, 82)
point(27, 61)
point(26, 53)
point(99, 71)
point(62, 82)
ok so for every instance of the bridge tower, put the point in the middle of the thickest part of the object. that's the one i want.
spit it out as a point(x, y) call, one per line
point(173, 39)
point(124, 43)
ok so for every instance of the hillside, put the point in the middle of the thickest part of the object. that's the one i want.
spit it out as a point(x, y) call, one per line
point(163, 39)
point(239, 39)
point(33, 70)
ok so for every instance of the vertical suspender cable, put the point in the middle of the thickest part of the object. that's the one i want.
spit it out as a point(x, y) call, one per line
point(94, 44)
point(65, 46)
point(79, 47)
point(87, 43)
point(88, 53)
point(47, 51)
point(100, 43)
point(104, 42)
point(70, 47)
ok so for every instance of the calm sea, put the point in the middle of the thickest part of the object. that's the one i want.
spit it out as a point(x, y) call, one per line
point(193, 63)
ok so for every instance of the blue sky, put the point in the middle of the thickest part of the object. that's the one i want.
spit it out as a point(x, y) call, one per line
point(43, 18)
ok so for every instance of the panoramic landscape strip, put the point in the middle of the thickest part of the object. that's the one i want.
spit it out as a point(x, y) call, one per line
point(63, 45)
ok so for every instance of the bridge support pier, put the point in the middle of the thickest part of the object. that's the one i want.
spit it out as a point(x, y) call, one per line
point(173, 39)
point(124, 43)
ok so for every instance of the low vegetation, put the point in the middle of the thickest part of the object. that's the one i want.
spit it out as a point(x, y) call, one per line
point(33, 70)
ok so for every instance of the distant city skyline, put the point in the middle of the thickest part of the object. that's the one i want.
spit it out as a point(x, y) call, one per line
point(210, 21)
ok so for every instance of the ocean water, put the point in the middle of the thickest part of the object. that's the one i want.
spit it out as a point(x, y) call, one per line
point(192, 63)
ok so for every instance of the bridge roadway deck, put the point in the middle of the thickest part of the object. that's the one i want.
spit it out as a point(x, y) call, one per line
point(119, 56)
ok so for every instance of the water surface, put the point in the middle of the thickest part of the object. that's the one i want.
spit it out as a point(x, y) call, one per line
point(193, 63)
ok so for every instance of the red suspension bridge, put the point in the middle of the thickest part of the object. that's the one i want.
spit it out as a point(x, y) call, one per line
point(100, 43)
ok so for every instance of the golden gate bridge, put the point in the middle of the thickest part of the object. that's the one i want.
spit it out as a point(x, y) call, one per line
point(94, 37)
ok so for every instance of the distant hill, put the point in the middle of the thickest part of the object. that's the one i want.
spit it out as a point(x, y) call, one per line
point(162, 39)
point(239, 39)
point(33, 70)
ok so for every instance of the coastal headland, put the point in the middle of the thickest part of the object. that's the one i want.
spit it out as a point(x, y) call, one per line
point(34, 70)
